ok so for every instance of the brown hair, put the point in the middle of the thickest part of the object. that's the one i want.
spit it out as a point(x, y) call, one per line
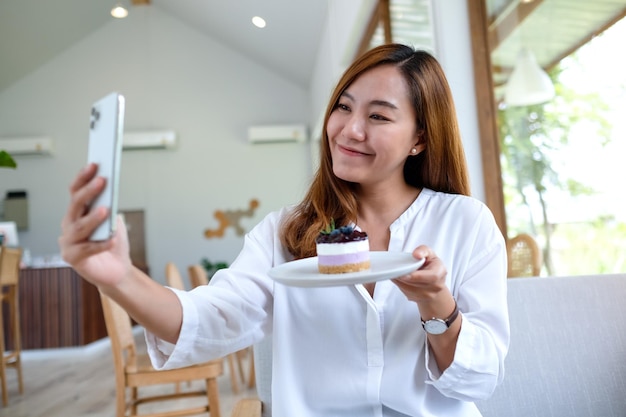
point(440, 167)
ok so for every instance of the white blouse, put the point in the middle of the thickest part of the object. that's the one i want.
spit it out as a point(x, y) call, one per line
point(339, 352)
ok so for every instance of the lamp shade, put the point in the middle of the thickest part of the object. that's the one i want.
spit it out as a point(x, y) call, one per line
point(528, 84)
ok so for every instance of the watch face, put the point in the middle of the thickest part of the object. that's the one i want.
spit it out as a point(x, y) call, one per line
point(435, 326)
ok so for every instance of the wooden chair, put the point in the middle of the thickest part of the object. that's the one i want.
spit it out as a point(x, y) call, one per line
point(133, 371)
point(173, 278)
point(262, 404)
point(247, 407)
point(524, 256)
point(9, 284)
point(198, 276)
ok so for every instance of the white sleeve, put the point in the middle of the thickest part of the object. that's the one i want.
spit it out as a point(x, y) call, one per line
point(482, 345)
point(232, 312)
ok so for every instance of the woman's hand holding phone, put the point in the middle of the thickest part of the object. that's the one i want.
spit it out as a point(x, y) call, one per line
point(100, 262)
point(89, 241)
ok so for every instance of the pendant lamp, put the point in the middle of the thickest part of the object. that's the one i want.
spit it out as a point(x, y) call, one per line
point(528, 84)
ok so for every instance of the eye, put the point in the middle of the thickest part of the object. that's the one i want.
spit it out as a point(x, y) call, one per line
point(342, 107)
point(379, 117)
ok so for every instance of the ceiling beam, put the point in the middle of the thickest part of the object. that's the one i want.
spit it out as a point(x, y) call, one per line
point(587, 39)
point(506, 22)
point(385, 17)
point(369, 31)
point(381, 14)
point(140, 2)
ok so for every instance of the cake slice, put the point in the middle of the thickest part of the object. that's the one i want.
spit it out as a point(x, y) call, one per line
point(342, 250)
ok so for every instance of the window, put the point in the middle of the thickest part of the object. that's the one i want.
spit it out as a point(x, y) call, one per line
point(402, 21)
point(552, 166)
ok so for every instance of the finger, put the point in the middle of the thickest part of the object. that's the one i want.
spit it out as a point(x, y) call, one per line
point(422, 252)
point(82, 198)
point(79, 230)
point(82, 179)
point(120, 225)
point(415, 280)
point(84, 176)
point(431, 273)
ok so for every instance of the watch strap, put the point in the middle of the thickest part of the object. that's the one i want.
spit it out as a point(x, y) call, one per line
point(446, 321)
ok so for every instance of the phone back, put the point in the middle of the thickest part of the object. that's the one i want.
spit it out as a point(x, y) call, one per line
point(105, 149)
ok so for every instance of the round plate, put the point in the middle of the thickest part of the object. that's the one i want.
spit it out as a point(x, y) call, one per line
point(384, 265)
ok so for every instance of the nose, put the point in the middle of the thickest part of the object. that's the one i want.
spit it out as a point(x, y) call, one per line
point(354, 127)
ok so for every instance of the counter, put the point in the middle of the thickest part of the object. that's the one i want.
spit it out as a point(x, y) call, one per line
point(58, 309)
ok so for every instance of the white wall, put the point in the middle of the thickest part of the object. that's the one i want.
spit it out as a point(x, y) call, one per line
point(454, 52)
point(345, 23)
point(172, 77)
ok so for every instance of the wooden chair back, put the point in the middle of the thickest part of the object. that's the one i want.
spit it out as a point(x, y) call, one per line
point(10, 259)
point(197, 275)
point(247, 407)
point(524, 256)
point(120, 331)
point(173, 278)
point(133, 370)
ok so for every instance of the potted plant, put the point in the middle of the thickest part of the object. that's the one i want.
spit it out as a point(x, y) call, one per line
point(6, 161)
point(211, 267)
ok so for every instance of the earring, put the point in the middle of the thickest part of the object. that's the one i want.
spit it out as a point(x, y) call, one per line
point(413, 151)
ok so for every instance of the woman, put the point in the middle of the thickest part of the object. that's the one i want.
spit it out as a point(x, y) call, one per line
point(392, 165)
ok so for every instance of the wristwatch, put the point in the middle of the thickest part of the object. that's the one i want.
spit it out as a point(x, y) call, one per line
point(439, 326)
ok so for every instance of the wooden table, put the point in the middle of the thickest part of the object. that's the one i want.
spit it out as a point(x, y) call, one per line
point(58, 309)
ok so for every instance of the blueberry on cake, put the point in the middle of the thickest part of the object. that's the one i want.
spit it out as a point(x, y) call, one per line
point(342, 250)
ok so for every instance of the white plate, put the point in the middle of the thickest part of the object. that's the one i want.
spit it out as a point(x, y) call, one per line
point(384, 265)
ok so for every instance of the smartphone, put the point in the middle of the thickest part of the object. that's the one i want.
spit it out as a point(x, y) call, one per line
point(106, 129)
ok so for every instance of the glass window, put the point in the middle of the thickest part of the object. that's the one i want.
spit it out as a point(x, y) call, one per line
point(560, 95)
point(401, 21)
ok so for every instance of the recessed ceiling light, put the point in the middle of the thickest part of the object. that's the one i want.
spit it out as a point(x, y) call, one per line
point(258, 22)
point(119, 11)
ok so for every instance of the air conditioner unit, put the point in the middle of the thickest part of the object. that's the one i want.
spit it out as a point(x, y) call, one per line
point(277, 133)
point(163, 139)
point(27, 146)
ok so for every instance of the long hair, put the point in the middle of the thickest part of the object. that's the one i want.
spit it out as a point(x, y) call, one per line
point(440, 167)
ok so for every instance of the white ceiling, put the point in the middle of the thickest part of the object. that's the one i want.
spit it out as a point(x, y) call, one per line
point(35, 31)
point(551, 29)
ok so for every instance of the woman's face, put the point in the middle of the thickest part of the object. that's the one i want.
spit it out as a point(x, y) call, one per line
point(372, 129)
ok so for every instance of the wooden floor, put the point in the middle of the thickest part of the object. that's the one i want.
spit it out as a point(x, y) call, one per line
point(80, 382)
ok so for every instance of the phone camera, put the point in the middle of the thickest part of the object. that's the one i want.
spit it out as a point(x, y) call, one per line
point(95, 116)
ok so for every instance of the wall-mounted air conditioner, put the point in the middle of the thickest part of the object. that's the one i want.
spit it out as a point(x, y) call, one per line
point(277, 133)
point(26, 146)
point(162, 139)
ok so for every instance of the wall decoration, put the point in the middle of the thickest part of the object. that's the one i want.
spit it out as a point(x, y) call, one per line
point(231, 218)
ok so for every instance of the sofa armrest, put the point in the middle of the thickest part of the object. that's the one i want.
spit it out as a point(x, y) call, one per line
point(568, 348)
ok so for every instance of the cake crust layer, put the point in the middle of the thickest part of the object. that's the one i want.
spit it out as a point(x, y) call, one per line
point(345, 268)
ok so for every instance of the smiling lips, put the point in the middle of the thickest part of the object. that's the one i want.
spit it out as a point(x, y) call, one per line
point(351, 151)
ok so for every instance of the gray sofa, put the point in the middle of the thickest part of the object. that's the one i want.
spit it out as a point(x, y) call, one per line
point(567, 356)
point(568, 349)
